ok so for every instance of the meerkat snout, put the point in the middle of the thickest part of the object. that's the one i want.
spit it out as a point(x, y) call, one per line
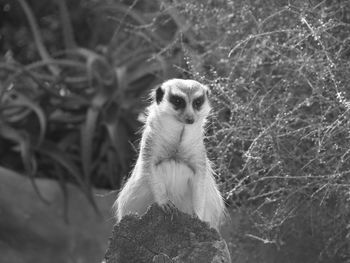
point(189, 116)
point(185, 100)
point(189, 120)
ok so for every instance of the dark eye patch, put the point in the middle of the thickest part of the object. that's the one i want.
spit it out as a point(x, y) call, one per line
point(177, 101)
point(198, 102)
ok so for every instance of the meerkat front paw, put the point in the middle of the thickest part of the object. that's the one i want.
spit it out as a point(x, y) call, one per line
point(169, 208)
point(162, 258)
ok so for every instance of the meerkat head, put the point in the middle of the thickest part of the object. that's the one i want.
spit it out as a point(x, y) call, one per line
point(185, 100)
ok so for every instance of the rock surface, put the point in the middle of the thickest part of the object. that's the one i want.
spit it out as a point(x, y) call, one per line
point(160, 237)
point(33, 231)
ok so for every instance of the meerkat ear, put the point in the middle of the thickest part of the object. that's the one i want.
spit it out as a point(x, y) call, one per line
point(159, 94)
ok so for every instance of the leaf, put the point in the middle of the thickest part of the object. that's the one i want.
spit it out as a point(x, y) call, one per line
point(24, 147)
point(87, 135)
point(21, 138)
point(20, 100)
point(118, 135)
point(111, 121)
point(38, 37)
point(112, 169)
point(50, 149)
point(69, 140)
point(88, 128)
point(91, 59)
point(120, 73)
point(14, 113)
point(65, 117)
point(63, 185)
point(71, 102)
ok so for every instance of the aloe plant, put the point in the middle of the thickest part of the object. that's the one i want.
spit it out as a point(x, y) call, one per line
point(71, 114)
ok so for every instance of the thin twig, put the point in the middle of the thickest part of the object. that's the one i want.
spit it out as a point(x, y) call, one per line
point(265, 241)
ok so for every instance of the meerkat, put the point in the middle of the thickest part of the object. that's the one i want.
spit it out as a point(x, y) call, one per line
point(172, 168)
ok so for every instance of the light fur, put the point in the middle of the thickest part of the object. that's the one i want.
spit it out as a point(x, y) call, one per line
point(172, 165)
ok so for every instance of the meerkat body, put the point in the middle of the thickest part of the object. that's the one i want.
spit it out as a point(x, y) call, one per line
point(172, 167)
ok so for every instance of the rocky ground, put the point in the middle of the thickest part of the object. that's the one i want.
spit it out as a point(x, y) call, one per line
point(33, 231)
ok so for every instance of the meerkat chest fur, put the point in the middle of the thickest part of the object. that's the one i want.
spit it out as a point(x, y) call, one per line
point(177, 152)
point(177, 142)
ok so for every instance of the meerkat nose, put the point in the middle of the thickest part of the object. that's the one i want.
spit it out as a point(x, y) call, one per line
point(189, 120)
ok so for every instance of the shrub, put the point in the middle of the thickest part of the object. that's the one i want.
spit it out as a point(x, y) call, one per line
point(280, 132)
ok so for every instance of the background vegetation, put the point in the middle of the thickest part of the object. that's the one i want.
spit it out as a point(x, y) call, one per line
point(74, 79)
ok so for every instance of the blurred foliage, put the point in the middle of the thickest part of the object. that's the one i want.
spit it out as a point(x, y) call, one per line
point(74, 76)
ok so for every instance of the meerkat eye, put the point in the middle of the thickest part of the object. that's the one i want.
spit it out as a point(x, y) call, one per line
point(198, 102)
point(177, 101)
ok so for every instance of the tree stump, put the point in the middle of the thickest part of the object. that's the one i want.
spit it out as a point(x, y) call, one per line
point(160, 237)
